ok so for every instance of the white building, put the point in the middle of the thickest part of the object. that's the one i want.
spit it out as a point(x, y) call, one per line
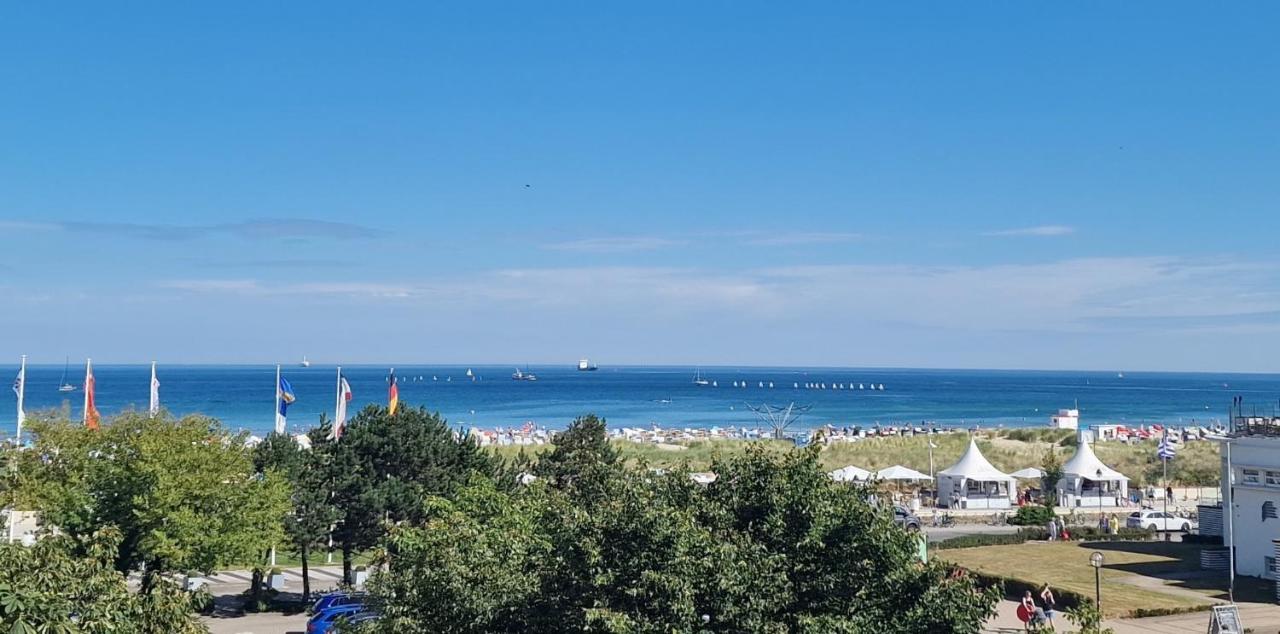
point(1087, 483)
point(1255, 501)
point(973, 483)
point(1065, 419)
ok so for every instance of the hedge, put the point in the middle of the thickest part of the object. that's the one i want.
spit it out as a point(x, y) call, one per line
point(998, 539)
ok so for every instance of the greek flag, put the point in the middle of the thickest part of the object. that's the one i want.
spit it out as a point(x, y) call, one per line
point(1166, 450)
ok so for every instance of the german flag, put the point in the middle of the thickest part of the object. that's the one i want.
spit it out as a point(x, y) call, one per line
point(393, 394)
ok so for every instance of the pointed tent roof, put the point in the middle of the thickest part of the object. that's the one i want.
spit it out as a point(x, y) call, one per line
point(974, 466)
point(1030, 473)
point(1085, 464)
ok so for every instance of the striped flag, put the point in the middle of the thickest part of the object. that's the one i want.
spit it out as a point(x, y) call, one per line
point(340, 410)
point(1166, 450)
point(393, 394)
point(91, 416)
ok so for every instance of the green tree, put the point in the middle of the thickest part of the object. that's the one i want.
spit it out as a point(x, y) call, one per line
point(312, 514)
point(1051, 465)
point(771, 546)
point(183, 493)
point(43, 587)
point(385, 466)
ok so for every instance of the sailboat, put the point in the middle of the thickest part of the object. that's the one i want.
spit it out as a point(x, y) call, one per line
point(698, 380)
point(305, 363)
point(63, 386)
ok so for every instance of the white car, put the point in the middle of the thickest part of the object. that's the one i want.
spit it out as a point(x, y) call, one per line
point(1159, 521)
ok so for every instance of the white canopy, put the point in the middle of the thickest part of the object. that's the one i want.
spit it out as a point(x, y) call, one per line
point(1030, 473)
point(899, 472)
point(1086, 465)
point(850, 474)
point(974, 466)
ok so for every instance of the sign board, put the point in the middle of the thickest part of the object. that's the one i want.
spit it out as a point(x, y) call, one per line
point(1225, 620)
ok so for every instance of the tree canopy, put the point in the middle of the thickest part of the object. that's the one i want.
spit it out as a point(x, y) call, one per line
point(183, 493)
point(43, 586)
point(771, 546)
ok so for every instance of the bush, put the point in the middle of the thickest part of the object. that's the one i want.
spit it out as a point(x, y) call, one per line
point(1092, 534)
point(1032, 515)
point(974, 541)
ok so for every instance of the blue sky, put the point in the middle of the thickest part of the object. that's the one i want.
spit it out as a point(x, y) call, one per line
point(986, 185)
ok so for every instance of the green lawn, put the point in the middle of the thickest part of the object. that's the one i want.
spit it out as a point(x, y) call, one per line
point(1135, 574)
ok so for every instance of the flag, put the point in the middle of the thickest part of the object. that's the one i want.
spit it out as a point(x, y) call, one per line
point(1166, 450)
point(340, 413)
point(19, 389)
point(284, 398)
point(155, 392)
point(393, 394)
point(91, 416)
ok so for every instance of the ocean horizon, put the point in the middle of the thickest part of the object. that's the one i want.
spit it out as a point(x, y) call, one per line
point(243, 397)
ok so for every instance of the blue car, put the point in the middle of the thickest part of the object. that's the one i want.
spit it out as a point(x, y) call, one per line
point(322, 622)
point(335, 599)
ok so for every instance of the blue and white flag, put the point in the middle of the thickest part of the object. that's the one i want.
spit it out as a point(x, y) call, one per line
point(20, 390)
point(284, 398)
point(1166, 450)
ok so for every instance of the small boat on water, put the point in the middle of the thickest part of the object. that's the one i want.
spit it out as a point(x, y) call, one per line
point(63, 386)
point(305, 363)
point(585, 365)
point(523, 376)
point(469, 373)
point(698, 378)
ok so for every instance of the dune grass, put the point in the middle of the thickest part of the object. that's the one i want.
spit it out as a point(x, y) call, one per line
point(1011, 449)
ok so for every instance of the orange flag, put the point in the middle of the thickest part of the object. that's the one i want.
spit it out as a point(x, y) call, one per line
point(393, 395)
point(91, 417)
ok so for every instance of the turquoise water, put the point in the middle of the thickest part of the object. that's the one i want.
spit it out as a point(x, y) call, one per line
point(243, 396)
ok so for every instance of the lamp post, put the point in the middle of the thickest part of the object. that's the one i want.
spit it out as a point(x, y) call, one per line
point(1095, 560)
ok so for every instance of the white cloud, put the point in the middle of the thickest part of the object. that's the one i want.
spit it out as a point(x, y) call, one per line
point(614, 245)
point(1038, 231)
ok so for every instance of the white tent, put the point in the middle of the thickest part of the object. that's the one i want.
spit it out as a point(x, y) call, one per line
point(1087, 482)
point(1030, 473)
point(973, 483)
point(899, 472)
point(850, 474)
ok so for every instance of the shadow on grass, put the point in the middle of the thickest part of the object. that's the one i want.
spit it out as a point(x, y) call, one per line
point(1181, 569)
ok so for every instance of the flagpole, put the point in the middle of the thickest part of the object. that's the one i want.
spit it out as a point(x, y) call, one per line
point(1167, 490)
point(337, 399)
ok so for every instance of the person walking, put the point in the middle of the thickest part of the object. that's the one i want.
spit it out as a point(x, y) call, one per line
point(1053, 528)
point(1114, 523)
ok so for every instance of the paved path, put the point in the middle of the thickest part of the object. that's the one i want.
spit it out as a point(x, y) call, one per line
point(258, 624)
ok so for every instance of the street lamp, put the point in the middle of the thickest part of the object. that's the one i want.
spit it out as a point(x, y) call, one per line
point(1095, 560)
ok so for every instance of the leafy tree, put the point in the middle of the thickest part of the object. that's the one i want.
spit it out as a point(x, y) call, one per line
point(385, 466)
point(43, 587)
point(183, 493)
point(313, 513)
point(771, 546)
point(1051, 465)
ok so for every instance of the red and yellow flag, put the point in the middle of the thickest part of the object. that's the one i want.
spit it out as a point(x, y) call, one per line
point(393, 394)
point(91, 416)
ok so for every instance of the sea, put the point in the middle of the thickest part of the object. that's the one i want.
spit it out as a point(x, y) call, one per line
point(243, 396)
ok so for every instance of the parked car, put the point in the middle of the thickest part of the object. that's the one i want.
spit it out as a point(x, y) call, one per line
point(335, 599)
point(323, 622)
point(1159, 521)
point(902, 516)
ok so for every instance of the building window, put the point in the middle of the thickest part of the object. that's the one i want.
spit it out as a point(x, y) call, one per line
point(1273, 478)
point(1251, 476)
point(1270, 563)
